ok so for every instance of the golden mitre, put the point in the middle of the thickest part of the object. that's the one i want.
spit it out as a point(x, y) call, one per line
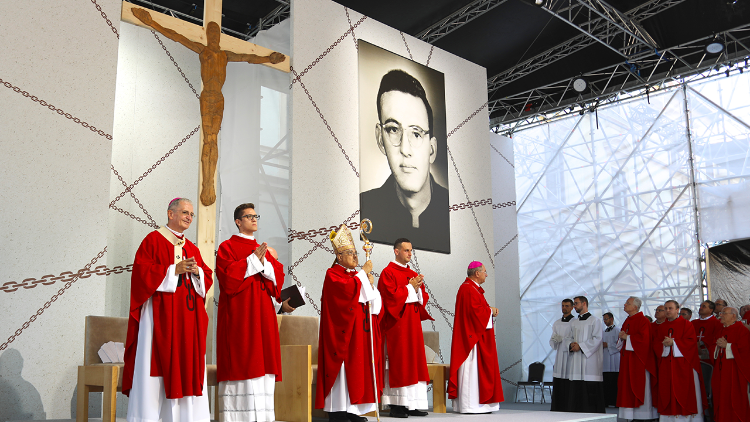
point(342, 240)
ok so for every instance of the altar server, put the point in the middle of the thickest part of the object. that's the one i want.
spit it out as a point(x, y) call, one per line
point(474, 383)
point(248, 354)
point(404, 299)
point(610, 359)
point(165, 349)
point(345, 387)
point(561, 330)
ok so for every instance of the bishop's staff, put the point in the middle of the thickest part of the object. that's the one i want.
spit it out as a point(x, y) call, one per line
point(366, 227)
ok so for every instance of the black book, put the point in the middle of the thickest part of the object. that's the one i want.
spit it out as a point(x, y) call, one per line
point(296, 296)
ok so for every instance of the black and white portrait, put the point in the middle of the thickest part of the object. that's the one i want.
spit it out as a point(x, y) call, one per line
point(403, 158)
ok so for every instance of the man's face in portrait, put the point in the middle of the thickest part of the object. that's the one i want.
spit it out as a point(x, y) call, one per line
point(403, 136)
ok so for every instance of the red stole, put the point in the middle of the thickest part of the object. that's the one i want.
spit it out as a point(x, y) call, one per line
point(676, 384)
point(469, 330)
point(731, 376)
point(631, 384)
point(402, 327)
point(345, 339)
point(178, 350)
point(247, 333)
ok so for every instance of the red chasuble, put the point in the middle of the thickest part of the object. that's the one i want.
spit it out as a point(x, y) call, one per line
point(730, 378)
point(675, 385)
point(178, 351)
point(707, 330)
point(402, 327)
point(631, 384)
point(469, 330)
point(345, 339)
point(247, 334)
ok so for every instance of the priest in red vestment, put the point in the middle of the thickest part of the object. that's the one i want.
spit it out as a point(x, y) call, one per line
point(637, 379)
point(474, 383)
point(731, 376)
point(248, 356)
point(404, 299)
point(165, 350)
point(680, 395)
point(707, 326)
point(345, 387)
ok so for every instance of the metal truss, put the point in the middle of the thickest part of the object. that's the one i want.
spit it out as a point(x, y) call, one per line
point(606, 26)
point(458, 19)
point(280, 13)
point(619, 82)
point(184, 16)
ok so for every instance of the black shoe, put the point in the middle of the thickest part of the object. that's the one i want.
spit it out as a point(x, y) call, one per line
point(399, 412)
point(355, 418)
point(417, 412)
point(338, 417)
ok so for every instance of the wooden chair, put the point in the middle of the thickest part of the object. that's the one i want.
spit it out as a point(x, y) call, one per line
point(439, 373)
point(294, 397)
point(95, 376)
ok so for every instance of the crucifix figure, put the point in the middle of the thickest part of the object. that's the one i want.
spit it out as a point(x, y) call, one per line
point(213, 74)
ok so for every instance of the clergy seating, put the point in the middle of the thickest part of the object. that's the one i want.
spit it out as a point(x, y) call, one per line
point(95, 376)
point(535, 379)
point(294, 396)
point(439, 372)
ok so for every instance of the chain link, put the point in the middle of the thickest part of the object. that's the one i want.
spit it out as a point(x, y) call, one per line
point(351, 28)
point(466, 205)
point(407, 45)
point(341, 147)
point(65, 276)
point(466, 193)
point(61, 112)
point(316, 232)
point(506, 369)
point(432, 47)
point(501, 154)
point(164, 47)
point(161, 160)
point(53, 299)
point(104, 15)
point(153, 223)
point(506, 244)
point(325, 53)
point(503, 205)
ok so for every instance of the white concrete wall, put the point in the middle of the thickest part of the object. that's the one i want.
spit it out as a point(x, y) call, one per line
point(55, 189)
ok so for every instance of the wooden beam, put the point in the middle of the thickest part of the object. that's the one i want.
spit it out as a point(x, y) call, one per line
point(198, 34)
point(206, 243)
point(211, 12)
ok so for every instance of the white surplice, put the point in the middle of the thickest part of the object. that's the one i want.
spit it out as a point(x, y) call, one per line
point(338, 399)
point(560, 331)
point(585, 365)
point(611, 354)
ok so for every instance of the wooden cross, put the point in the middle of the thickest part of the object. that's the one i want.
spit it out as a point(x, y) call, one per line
point(214, 57)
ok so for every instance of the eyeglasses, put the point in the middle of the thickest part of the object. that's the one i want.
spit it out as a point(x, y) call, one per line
point(394, 132)
point(255, 217)
point(349, 253)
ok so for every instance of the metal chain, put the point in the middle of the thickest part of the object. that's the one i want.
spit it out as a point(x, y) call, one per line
point(503, 205)
point(435, 303)
point(161, 160)
point(466, 193)
point(153, 223)
point(136, 218)
point(164, 47)
point(432, 47)
point(61, 112)
point(506, 244)
point(293, 234)
point(351, 28)
point(465, 205)
point(104, 15)
point(65, 276)
point(341, 147)
point(54, 298)
point(325, 53)
point(466, 120)
point(506, 369)
point(501, 154)
point(407, 45)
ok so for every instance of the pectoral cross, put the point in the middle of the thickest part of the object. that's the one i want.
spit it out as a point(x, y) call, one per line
point(214, 51)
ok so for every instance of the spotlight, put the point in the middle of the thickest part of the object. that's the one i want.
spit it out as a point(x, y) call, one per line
point(742, 70)
point(715, 46)
point(727, 73)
